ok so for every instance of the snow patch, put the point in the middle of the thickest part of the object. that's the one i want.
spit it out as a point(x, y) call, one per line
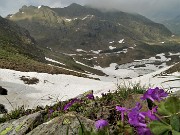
point(54, 61)
point(80, 50)
point(88, 16)
point(121, 41)
point(96, 52)
point(111, 42)
point(68, 20)
point(111, 47)
point(49, 90)
point(173, 54)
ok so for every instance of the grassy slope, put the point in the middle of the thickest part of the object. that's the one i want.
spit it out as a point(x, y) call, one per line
point(18, 51)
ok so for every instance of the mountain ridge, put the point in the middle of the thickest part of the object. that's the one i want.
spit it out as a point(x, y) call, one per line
point(78, 26)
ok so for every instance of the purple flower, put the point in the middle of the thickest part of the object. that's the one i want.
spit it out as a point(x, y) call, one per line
point(122, 110)
point(136, 118)
point(67, 106)
point(154, 94)
point(90, 96)
point(100, 124)
point(143, 131)
point(58, 108)
point(71, 103)
point(51, 111)
point(151, 113)
point(137, 107)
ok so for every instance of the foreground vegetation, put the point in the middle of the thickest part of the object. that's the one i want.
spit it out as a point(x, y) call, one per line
point(125, 111)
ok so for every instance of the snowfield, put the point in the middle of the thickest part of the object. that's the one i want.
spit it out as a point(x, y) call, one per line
point(53, 88)
point(50, 89)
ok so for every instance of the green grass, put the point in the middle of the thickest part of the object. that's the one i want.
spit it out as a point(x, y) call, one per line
point(16, 61)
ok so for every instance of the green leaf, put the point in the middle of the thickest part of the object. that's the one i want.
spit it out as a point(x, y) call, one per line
point(159, 128)
point(175, 122)
point(175, 132)
point(162, 110)
point(172, 104)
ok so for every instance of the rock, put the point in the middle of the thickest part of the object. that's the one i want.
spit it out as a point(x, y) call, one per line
point(3, 109)
point(60, 125)
point(22, 125)
point(3, 91)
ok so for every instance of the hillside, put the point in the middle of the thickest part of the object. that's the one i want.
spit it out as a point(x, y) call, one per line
point(173, 25)
point(73, 27)
point(19, 51)
point(15, 39)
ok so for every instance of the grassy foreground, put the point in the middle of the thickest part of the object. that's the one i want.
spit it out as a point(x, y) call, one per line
point(107, 112)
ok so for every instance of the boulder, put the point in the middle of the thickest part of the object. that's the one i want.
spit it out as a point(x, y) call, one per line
point(2, 109)
point(60, 125)
point(22, 125)
point(3, 91)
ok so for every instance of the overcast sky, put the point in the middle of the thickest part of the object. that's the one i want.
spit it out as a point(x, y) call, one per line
point(149, 8)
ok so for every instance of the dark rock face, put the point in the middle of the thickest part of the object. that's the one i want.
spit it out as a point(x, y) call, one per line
point(2, 109)
point(3, 91)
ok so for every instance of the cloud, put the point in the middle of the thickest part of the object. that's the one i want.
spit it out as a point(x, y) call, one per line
point(140, 6)
point(145, 7)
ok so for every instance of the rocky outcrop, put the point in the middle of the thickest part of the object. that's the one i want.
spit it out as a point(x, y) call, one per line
point(32, 125)
point(61, 125)
point(3, 109)
point(22, 125)
point(3, 91)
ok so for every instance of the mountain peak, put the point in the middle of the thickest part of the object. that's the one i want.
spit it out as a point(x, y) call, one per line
point(75, 5)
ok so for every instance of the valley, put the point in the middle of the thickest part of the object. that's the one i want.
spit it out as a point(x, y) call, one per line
point(69, 51)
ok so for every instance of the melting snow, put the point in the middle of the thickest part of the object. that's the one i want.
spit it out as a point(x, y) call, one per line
point(51, 60)
point(80, 50)
point(49, 90)
point(96, 52)
point(121, 41)
point(81, 63)
point(162, 57)
point(173, 54)
point(111, 47)
point(39, 7)
point(111, 42)
point(68, 20)
point(88, 16)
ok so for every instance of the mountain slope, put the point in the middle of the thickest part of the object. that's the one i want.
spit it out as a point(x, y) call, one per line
point(173, 25)
point(18, 51)
point(18, 40)
point(75, 26)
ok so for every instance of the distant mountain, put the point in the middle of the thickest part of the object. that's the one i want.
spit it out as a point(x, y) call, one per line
point(76, 26)
point(173, 25)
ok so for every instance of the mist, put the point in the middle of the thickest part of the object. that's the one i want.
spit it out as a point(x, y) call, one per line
point(153, 9)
